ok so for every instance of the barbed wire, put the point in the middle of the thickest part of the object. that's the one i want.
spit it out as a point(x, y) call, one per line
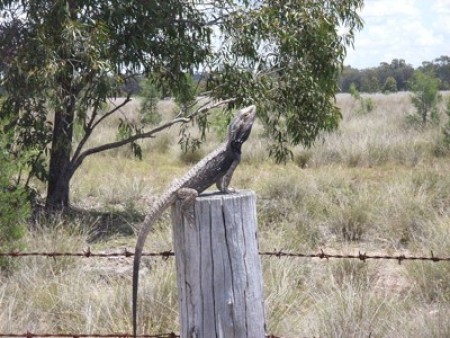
point(279, 254)
point(29, 334)
point(86, 254)
point(360, 256)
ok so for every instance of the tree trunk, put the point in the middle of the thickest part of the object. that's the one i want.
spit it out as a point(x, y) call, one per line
point(60, 172)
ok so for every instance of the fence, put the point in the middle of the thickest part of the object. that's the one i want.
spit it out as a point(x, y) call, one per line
point(322, 254)
point(81, 335)
point(94, 335)
point(279, 254)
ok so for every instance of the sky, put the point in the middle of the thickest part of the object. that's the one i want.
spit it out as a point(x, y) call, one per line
point(413, 30)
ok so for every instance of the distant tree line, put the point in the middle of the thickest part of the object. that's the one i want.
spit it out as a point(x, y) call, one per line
point(393, 77)
point(387, 77)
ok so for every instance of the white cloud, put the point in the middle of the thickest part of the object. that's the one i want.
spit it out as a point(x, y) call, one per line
point(386, 8)
point(405, 29)
point(441, 15)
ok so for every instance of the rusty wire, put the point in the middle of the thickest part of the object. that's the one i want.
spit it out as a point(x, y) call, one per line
point(279, 254)
point(29, 334)
point(86, 253)
point(360, 255)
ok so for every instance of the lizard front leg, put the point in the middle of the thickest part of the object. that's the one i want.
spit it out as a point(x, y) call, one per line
point(223, 182)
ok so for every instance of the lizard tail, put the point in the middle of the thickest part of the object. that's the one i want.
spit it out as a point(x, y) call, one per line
point(136, 264)
point(156, 212)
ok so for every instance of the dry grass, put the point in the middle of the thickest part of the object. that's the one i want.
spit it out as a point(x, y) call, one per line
point(377, 138)
point(376, 184)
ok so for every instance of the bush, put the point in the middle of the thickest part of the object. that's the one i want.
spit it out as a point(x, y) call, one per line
point(425, 96)
point(14, 210)
point(150, 95)
point(302, 158)
point(14, 203)
point(369, 105)
point(390, 85)
point(366, 105)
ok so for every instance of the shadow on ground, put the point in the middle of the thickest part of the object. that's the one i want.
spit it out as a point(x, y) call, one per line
point(98, 224)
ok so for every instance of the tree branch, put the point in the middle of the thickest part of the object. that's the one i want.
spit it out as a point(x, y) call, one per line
point(112, 111)
point(76, 162)
point(90, 127)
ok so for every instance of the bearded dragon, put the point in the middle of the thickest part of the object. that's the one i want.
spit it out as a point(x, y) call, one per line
point(217, 167)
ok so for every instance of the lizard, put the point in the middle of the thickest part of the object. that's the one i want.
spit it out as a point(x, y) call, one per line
point(217, 167)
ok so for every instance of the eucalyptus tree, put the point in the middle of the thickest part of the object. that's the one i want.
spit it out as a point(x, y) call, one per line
point(71, 57)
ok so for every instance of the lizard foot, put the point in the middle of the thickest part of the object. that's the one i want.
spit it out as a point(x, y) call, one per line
point(187, 197)
point(228, 190)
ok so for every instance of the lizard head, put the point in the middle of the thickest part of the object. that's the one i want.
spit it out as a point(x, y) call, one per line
point(241, 126)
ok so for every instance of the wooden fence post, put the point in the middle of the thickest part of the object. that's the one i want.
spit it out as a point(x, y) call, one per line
point(218, 267)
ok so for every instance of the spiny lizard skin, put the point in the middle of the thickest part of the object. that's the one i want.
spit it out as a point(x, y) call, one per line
point(217, 167)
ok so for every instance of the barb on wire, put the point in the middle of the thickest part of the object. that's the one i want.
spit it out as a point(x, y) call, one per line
point(279, 254)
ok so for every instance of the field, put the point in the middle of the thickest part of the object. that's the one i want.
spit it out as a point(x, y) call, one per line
point(378, 185)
